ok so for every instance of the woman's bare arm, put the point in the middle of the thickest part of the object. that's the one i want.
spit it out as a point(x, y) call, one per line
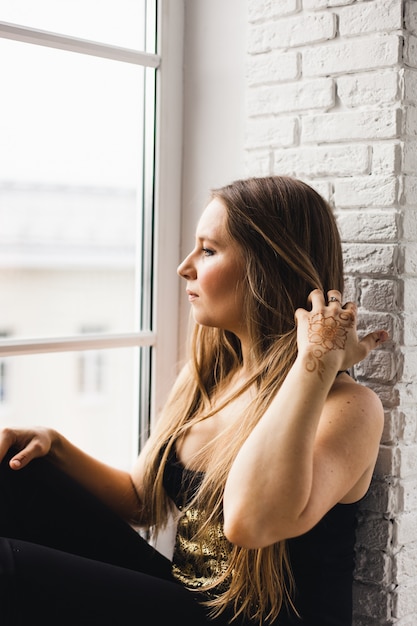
point(316, 444)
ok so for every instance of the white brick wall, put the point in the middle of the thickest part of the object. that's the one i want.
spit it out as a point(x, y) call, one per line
point(332, 99)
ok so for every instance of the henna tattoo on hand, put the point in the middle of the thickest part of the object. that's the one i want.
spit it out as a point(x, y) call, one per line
point(326, 333)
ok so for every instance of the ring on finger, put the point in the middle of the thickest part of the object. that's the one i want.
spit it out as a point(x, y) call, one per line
point(334, 299)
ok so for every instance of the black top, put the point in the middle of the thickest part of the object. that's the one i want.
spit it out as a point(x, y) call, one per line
point(322, 560)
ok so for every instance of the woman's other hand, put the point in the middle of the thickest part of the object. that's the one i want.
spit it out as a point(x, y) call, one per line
point(28, 443)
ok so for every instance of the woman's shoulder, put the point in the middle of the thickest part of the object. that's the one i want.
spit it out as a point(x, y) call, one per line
point(356, 399)
point(183, 377)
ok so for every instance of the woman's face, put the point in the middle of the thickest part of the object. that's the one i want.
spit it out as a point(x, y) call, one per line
point(214, 272)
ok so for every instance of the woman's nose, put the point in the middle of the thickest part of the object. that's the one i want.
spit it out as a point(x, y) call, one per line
point(186, 268)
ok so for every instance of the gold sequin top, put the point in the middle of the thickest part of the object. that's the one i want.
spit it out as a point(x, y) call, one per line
point(197, 563)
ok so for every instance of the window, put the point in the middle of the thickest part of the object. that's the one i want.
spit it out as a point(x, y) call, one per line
point(88, 241)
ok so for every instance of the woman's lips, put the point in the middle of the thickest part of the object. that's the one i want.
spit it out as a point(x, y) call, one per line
point(191, 295)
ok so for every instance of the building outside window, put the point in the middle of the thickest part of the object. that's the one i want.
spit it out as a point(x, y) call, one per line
point(92, 381)
point(4, 376)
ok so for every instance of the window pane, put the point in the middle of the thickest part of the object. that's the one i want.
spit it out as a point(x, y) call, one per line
point(67, 118)
point(102, 422)
point(115, 22)
point(70, 191)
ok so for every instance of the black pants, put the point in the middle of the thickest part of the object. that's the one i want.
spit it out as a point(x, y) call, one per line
point(67, 560)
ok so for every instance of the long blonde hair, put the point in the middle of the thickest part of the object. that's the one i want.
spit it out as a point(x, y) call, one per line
point(290, 245)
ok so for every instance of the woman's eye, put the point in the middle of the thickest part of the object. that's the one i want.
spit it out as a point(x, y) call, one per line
point(207, 252)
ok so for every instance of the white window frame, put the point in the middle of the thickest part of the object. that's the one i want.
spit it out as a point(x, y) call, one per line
point(162, 187)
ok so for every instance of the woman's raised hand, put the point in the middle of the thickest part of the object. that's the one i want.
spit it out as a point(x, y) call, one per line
point(327, 333)
point(28, 444)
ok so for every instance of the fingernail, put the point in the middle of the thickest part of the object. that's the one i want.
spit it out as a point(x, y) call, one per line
point(15, 463)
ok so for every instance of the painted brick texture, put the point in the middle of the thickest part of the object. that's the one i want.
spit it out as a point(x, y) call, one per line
point(332, 99)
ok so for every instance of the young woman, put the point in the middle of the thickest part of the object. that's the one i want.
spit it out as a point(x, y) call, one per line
point(262, 453)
